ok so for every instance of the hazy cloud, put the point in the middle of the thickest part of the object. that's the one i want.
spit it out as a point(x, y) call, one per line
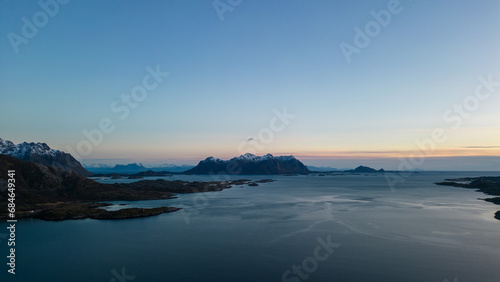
point(481, 147)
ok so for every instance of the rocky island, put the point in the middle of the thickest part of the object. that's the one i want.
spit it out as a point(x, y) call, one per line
point(76, 210)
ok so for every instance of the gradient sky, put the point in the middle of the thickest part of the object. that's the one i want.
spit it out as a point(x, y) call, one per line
point(228, 77)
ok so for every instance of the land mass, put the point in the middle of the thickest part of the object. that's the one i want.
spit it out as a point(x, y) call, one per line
point(249, 164)
point(61, 211)
point(489, 185)
point(50, 193)
point(365, 169)
point(41, 153)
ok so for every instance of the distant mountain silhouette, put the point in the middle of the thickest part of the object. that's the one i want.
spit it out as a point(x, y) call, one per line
point(136, 168)
point(251, 164)
point(41, 153)
point(365, 169)
point(322, 168)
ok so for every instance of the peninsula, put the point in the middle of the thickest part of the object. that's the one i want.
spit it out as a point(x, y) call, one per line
point(51, 193)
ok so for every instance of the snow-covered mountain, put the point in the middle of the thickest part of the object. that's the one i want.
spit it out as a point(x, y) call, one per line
point(43, 154)
point(250, 164)
point(24, 150)
point(254, 158)
point(96, 165)
point(169, 167)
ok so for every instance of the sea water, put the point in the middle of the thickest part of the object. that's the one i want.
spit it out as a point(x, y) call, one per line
point(298, 228)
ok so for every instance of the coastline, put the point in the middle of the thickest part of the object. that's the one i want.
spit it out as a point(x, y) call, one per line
point(83, 205)
point(489, 185)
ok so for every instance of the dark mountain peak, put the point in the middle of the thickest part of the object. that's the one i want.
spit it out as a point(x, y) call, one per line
point(364, 169)
point(35, 181)
point(251, 164)
point(212, 159)
point(253, 158)
point(130, 166)
point(41, 153)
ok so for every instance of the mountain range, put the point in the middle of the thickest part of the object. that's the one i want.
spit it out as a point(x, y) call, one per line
point(41, 153)
point(136, 168)
point(250, 164)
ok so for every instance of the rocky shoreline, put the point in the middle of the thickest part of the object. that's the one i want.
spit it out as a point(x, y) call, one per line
point(136, 191)
point(62, 211)
point(489, 185)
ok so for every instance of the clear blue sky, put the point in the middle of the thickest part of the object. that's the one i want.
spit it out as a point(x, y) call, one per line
point(228, 77)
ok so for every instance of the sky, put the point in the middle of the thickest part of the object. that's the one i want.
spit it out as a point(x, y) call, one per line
point(334, 83)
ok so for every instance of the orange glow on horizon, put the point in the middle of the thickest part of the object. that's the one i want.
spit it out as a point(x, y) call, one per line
point(449, 152)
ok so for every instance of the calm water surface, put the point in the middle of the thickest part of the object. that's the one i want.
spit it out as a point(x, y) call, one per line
point(417, 231)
